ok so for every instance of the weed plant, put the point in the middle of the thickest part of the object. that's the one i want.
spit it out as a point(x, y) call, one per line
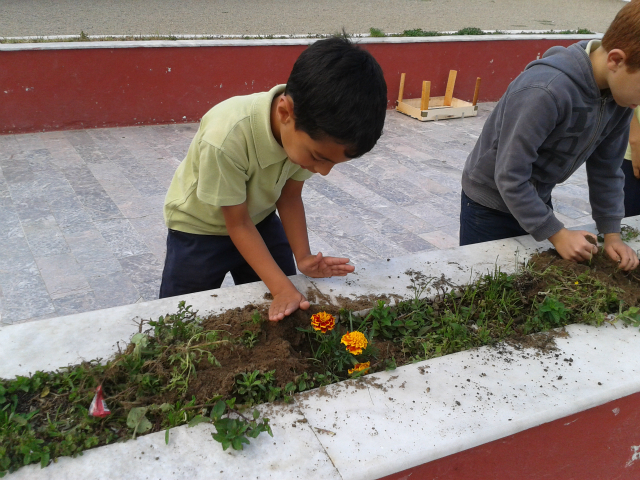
point(45, 416)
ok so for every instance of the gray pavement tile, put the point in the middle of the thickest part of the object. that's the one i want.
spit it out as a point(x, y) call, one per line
point(142, 268)
point(45, 237)
point(62, 275)
point(29, 141)
point(411, 243)
point(387, 189)
point(10, 221)
point(98, 204)
point(5, 193)
point(568, 210)
point(89, 246)
point(24, 295)
point(79, 137)
point(8, 146)
point(122, 238)
point(145, 273)
point(113, 290)
point(15, 254)
point(70, 214)
point(76, 303)
point(91, 154)
point(16, 171)
point(98, 268)
point(115, 183)
point(32, 209)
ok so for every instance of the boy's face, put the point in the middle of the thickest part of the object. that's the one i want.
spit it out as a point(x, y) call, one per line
point(624, 85)
point(317, 156)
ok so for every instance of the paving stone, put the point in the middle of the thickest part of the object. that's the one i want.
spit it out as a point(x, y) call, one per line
point(113, 290)
point(122, 238)
point(62, 275)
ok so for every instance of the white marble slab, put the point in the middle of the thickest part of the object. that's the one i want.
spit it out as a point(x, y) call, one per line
point(377, 425)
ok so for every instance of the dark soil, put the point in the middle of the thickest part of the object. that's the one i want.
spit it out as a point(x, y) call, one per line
point(283, 348)
point(280, 347)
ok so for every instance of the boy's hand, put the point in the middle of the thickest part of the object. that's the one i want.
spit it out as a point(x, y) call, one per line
point(620, 252)
point(318, 266)
point(285, 303)
point(572, 244)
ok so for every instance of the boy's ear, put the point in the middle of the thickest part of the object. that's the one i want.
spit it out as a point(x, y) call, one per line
point(284, 109)
point(615, 59)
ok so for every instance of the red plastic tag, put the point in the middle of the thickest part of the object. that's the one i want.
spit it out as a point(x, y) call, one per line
point(98, 407)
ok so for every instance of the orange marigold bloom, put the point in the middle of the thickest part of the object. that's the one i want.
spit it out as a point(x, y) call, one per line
point(323, 322)
point(360, 367)
point(355, 342)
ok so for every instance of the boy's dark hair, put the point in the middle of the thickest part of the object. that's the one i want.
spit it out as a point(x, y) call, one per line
point(338, 91)
point(624, 33)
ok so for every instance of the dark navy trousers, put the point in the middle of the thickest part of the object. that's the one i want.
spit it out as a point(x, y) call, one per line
point(195, 263)
point(631, 190)
point(483, 224)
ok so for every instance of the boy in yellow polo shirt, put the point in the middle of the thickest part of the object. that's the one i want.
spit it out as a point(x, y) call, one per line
point(251, 156)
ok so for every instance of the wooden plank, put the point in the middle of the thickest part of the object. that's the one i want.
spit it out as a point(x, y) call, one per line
point(450, 84)
point(426, 90)
point(476, 92)
point(401, 92)
point(414, 112)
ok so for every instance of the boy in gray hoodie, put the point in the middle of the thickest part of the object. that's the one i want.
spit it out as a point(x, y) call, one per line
point(571, 106)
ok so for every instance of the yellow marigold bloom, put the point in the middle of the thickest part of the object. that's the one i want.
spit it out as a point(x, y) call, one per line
point(360, 367)
point(577, 283)
point(355, 342)
point(323, 322)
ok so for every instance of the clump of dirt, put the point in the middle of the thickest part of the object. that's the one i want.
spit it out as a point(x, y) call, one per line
point(281, 346)
point(600, 267)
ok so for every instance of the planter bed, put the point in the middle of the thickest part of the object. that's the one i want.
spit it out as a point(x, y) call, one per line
point(415, 417)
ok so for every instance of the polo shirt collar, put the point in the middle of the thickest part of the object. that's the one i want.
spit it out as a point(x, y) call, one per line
point(268, 150)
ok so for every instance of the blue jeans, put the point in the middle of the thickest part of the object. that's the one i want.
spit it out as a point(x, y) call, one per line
point(196, 263)
point(631, 190)
point(483, 224)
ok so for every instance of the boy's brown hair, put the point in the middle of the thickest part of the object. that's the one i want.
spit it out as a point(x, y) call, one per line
point(624, 34)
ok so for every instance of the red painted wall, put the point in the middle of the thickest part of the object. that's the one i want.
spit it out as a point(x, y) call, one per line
point(592, 445)
point(98, 87)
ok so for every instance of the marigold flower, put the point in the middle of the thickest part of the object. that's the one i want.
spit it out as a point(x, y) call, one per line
point(577, 283)
point(355, 342)
point(323, 322)
point(360, 367)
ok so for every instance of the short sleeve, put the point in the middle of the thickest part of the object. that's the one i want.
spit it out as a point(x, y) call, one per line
point(301, 175)
point(222, 180)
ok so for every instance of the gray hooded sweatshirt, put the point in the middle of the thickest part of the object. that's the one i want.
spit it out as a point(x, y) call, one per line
point(552, 119)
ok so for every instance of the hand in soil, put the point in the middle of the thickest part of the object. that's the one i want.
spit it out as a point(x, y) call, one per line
point(620, 252)
point(285, 303)
point(576, 245)
point(318, 266)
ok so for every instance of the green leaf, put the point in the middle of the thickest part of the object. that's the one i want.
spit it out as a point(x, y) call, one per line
point(166, 437)
point(238, 442)
point(218, 410)
point(19, 419)
point(137, 420)
point(256, 414)
point(197, 420)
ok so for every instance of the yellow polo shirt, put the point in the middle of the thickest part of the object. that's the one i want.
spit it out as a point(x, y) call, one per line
point(234, 157)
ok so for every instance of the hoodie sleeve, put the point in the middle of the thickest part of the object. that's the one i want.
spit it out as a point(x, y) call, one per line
point(530, 115)
point(606, 179)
